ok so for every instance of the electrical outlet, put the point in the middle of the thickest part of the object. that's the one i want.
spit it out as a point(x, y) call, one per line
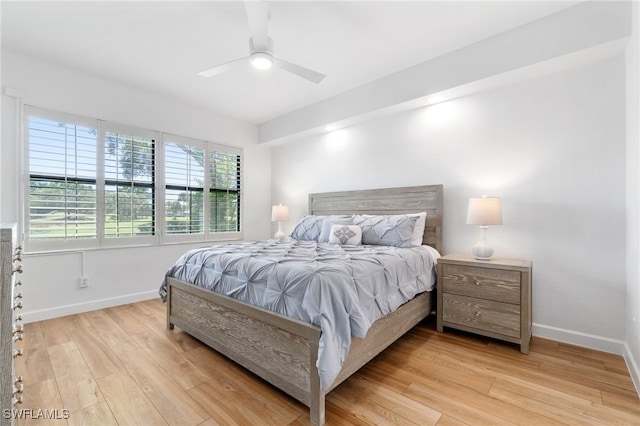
point(84, 282)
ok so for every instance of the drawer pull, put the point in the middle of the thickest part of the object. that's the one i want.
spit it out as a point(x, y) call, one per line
point(477, 313)
point(18, 389)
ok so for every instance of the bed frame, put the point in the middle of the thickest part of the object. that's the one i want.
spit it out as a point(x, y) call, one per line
point(282, 350)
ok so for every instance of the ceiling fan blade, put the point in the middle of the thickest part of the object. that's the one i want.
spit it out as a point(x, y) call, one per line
point(303, 72)
point(219, 69)
point(258, 15)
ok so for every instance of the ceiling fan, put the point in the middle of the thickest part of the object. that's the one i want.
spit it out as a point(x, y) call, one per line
point(261, 48)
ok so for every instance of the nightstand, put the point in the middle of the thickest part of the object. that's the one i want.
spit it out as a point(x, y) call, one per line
point(487, 297)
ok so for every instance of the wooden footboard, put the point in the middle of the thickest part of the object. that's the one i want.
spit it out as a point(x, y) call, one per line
point(281, 350)
point(284, 351)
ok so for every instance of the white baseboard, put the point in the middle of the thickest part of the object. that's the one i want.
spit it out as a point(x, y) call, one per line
point(76, 308)
point(632, 365)
point(591, 341)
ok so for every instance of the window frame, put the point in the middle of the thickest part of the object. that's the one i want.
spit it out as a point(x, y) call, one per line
point(217, 148)
point(208, 148)
point(160, 236)
point(102, 184)
point(45, 244)
point(173, 238)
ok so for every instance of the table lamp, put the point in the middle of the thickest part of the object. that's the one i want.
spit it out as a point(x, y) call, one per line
point(484, 211)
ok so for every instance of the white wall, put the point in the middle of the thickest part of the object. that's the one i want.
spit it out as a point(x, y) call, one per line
point(553, 148)
point(588, 29)
point(115, 276)
point(633, 197)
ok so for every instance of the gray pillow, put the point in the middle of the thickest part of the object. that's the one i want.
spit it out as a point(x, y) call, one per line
point(309, 228)
point(335, 219)
point(393, 230)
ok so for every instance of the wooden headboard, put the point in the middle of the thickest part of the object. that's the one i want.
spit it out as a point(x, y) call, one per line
point(412, 199)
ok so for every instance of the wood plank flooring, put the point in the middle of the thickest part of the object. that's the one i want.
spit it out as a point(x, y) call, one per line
point(120, 366)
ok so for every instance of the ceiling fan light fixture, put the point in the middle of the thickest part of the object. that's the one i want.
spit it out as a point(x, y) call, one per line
point(261, 60)
point(261, 48)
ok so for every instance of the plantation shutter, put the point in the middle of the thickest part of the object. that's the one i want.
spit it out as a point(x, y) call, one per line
point(129, 193)
point(62, 176)
point(224, 191)
point(184, 188)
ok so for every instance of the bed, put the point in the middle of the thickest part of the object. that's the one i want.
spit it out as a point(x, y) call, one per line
point(285, 351)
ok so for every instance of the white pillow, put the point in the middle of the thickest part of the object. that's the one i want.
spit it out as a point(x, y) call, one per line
point(418, 230)
point(345, 235)
point(333, 220)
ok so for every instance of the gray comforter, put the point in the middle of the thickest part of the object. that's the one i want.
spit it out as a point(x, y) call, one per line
point(341, 289)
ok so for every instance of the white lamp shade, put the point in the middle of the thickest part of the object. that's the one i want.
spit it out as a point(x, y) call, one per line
point(484, 211)
point(279, 213)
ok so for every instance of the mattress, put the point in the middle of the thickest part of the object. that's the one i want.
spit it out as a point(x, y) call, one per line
point(341, 289)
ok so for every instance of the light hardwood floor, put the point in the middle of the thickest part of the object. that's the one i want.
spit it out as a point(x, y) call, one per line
point(120, 366)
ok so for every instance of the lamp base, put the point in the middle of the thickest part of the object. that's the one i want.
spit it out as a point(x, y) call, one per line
point(481, 258)
point(280, 235)
point(481, 249)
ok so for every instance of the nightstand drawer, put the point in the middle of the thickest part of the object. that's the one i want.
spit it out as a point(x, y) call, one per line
point(482, 314)
point(494, 284)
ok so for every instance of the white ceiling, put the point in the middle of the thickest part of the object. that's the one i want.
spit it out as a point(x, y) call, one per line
point(160, 46)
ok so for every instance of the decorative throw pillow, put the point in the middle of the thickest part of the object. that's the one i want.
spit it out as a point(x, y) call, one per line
point(333, 220)
point(393, 230)
point(308, 229)
point(345, 235)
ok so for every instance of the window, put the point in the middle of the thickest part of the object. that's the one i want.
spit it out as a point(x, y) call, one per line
point(184, 188)
point(62, 179)
point(224, 192)
point(202, 181)
point(129, 193)
point(92, 183)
